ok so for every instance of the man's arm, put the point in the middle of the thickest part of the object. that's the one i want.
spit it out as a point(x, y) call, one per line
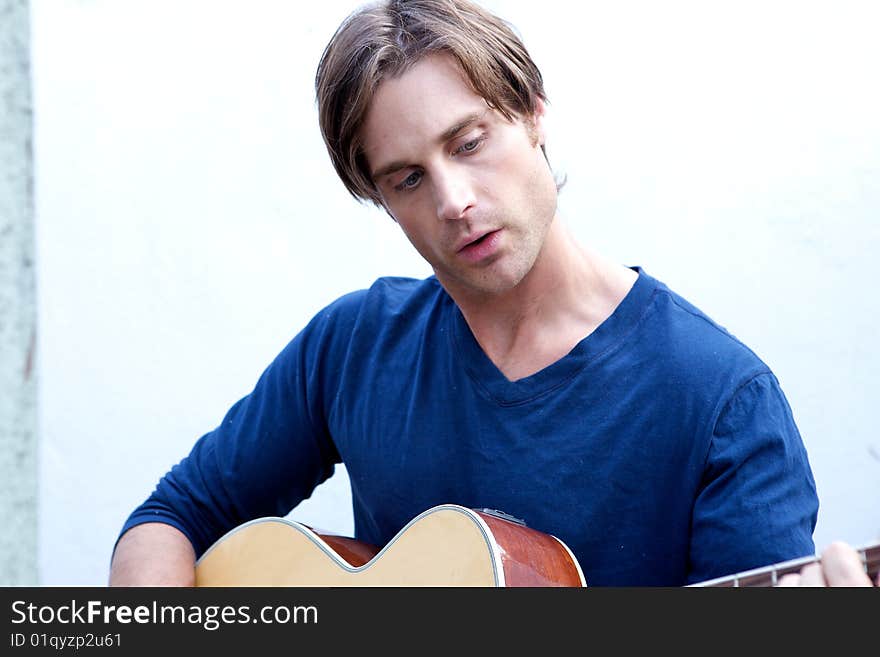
point(758, 503)
point(153, 554)
point(270, 452)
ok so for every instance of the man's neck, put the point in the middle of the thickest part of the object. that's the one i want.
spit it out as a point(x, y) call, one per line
point(566, 295)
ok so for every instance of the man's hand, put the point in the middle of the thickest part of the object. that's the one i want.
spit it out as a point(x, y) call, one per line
point(153, 554)
point(839, 565)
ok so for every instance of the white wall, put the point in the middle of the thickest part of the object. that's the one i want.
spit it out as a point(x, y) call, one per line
point(189, 221)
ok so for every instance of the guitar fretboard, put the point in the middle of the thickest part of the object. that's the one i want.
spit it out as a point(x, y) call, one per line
point(769, 575)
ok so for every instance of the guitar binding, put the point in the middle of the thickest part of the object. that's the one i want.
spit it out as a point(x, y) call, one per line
point(504, 516)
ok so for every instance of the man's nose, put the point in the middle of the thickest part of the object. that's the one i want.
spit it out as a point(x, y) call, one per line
point(453, 191)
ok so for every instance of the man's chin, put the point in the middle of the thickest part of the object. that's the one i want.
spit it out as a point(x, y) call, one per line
point(489, 282)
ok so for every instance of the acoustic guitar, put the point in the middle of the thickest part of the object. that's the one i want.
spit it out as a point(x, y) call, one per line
point(447, 545)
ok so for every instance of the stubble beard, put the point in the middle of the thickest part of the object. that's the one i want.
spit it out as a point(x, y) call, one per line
point(512, 265)
point(523, 244)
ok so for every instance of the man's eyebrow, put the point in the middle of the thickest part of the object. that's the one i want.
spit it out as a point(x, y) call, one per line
point(447, 134)
point(397, 165)
point(461, 125)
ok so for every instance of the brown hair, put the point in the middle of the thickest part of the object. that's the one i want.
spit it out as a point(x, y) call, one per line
point(384, 39)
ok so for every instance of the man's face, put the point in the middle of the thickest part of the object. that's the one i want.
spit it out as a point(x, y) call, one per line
point(471, 190)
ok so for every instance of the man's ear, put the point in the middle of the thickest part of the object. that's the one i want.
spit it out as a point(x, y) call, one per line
point(537, 129)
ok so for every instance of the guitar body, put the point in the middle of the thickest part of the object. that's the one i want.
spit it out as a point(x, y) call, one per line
point(447, 545)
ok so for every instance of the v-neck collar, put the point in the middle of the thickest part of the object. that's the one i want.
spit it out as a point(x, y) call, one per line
point(488, 378)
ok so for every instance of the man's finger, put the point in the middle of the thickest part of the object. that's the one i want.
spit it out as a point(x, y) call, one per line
point(790, 580)
point(843, 566)
point(812, 575)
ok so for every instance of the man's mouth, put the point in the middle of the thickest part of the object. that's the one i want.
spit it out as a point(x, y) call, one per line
point(476, 240)
point(478, 247)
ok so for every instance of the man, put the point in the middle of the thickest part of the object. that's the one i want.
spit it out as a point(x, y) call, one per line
point(529, 374)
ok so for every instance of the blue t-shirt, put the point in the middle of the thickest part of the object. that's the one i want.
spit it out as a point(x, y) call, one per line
point(660, 449)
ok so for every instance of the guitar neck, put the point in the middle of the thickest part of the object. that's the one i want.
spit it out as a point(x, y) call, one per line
point(769, 575)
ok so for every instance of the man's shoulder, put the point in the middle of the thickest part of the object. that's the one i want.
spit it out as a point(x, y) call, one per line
point(695, 337)
point(391, 305)
point(404, 288)
point(386, 297)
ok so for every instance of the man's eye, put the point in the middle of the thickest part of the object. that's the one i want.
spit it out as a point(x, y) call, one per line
point(470, 146)
point(410, 181)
